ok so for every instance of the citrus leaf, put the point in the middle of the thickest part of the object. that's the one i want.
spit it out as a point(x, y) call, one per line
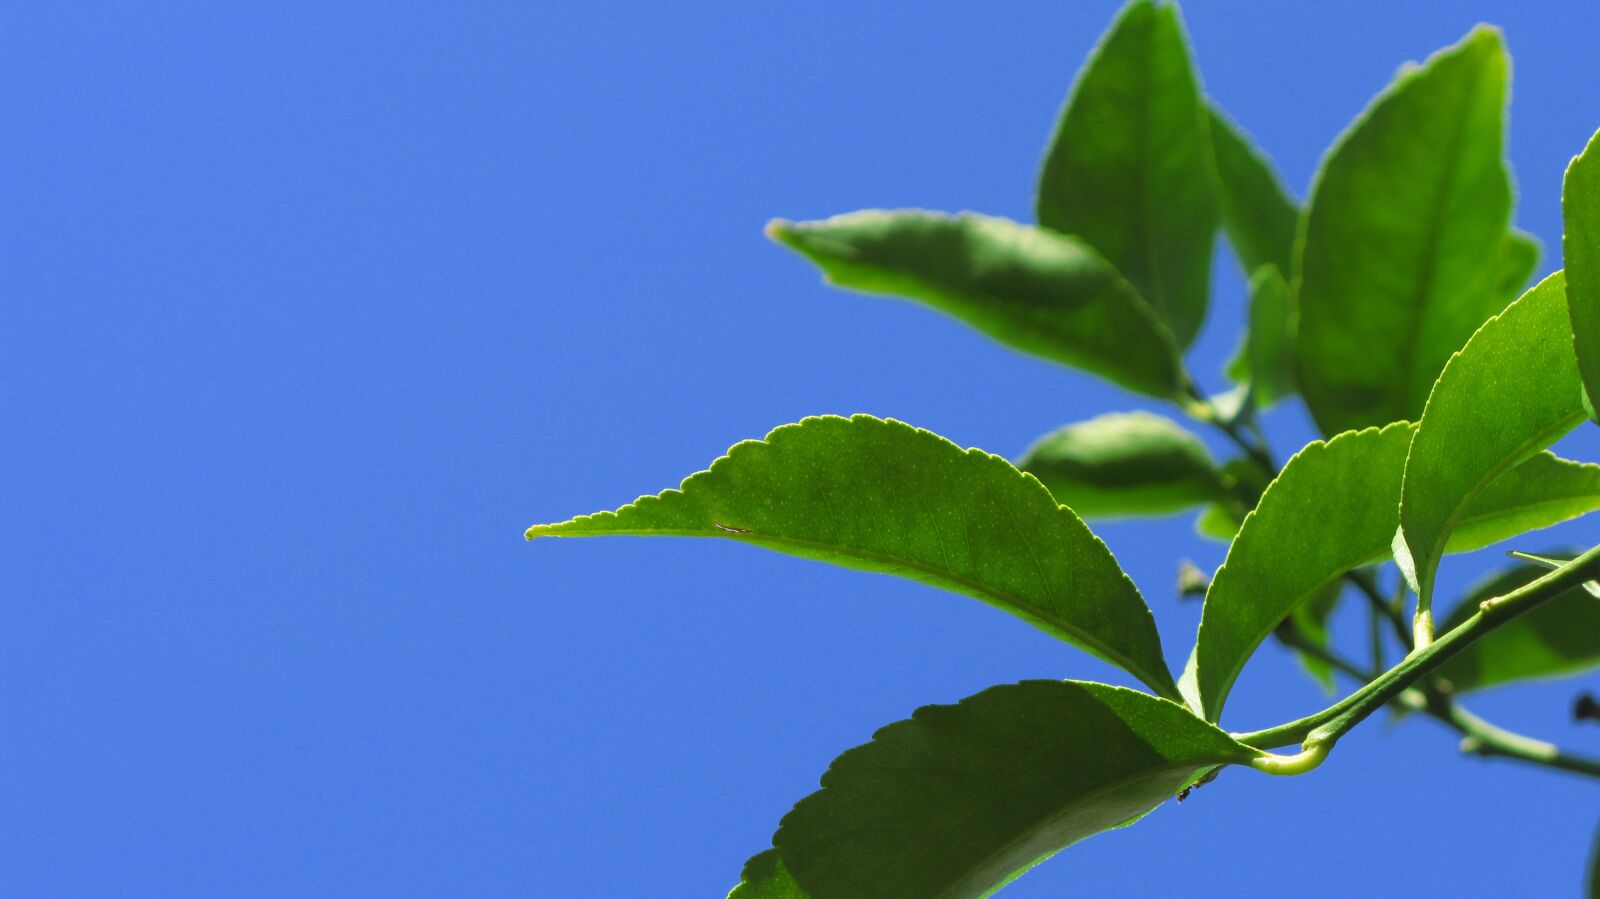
point(1543, 491)
point(1129, 168)
point(1560, 637)
point(1266, 359)
point(1031, 289)
point(765, 877)
point(960, 799)
point(1259, 217)
point(883, 496)
point(1512, 391)
point(1124, 464)
point(1519, 259)
point(1331, 510)
point(1401, 255)
point(1580, 245)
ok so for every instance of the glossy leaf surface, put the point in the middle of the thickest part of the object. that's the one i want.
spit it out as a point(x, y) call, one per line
point(1512, 391)
point(1560, 637)
point(1129, 169)
point(1544, 490)
point(883, 496)
point(1332, 509)
point(1401, 259)
point(1124, 464)
point(1031, 289)
point(1580, 245)
point(961, 798)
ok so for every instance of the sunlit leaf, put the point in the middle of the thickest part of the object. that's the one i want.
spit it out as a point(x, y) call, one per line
point(1512, 391)
point(1543, 491)
point(884, 496)
point(1580, 209)
point(959, 799)
point(1333, 509)
point(1031, 289)
point(1402, 254)
point(1130, 167)
point(1125, 464)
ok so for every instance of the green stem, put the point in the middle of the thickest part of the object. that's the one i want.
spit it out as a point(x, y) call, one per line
point(1328, 725)
point(1478, 736)
point(1202, 409)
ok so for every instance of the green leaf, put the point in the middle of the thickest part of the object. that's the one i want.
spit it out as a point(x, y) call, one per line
point(1331, 510)
point(1032, 290)
point(1519, 258)
point(960, 799)
point(765, 877)
point(1401, 256)
point(1246, 480)
point(1580, 244)
point(1560, 637)
point(1257, 213)
point(1543, 491)
point(1266, 359)
point(1124, 464)
point(1512, 391)
point(1129, 169)
point(883, 496)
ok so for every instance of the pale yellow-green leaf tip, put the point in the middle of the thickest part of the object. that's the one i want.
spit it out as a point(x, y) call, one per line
point(778, 230)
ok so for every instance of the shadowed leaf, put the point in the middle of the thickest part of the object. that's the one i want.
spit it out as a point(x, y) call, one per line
point(1124, 464)
point(960, 799)
point(1033, 290)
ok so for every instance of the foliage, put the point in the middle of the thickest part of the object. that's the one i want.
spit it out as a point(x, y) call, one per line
point(1392, 304)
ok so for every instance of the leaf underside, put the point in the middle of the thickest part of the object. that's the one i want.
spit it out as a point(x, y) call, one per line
point(1402, 252)
point(1559, 638)
point(1033, 290)
point(883, 496)
point(1580, 208)
point(1124, 464)
point(1332, 509)
point(962, 798)
point(1512, 391)
point(1129, 169)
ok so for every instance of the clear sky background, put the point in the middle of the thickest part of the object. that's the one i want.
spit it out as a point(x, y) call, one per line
point(307, 310)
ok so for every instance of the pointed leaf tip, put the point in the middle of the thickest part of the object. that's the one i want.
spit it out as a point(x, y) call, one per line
point(880, 495)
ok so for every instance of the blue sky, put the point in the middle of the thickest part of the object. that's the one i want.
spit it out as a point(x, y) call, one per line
point(311, 309)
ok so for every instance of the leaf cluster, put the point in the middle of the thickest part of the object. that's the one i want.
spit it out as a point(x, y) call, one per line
point(1391, 302)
